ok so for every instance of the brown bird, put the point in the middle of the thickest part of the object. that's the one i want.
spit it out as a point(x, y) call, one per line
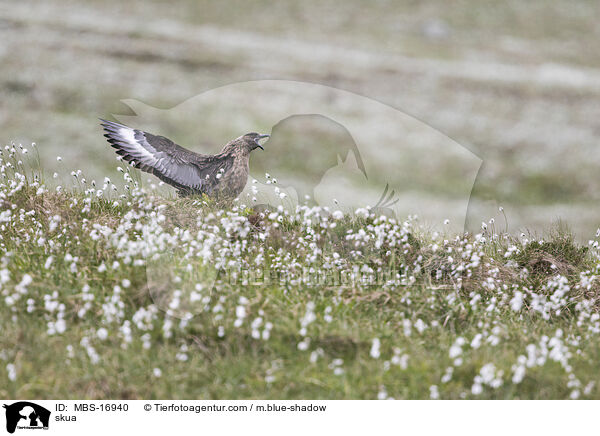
point(222, 175)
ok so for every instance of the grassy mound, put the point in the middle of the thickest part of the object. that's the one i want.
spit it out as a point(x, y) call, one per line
point(140, 296)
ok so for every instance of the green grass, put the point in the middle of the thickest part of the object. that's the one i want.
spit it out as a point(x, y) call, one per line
point(322, 343)
point(532, 130)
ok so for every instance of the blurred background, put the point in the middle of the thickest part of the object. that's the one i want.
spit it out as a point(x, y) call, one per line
point(516, 84)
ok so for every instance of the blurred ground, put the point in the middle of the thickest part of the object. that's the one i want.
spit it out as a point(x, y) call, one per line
point(517, 83)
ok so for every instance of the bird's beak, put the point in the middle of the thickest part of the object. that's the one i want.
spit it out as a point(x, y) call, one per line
point(259, 138)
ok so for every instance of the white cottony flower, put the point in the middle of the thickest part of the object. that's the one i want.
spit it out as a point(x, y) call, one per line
point(102, 333)
point(60, 326)
point(26, 280)
point(434, 394)
point(517, 301)
point(303, 345)
point(48, 262)
point(456, 348)
point(182, 357)
point(448, 374)
point(518, 373)
point(240, 312)
point(420, 325)
point(338, 215)
point(12, 371)
point(375, 345)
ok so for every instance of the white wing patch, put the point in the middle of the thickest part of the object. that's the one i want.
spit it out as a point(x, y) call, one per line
point(128, 135)
point(139, 151)
point(159, 159)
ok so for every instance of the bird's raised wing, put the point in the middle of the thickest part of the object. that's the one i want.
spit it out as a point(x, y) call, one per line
point(173, 164)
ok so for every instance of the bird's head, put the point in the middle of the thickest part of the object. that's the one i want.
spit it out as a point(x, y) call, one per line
point(252, 140)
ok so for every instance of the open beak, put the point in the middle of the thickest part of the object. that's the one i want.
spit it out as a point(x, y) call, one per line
point(259, 138)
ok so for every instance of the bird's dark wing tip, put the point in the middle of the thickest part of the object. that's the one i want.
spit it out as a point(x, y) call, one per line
point(108, 124)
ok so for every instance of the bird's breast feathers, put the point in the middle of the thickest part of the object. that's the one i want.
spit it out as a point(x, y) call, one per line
point(233, 181)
